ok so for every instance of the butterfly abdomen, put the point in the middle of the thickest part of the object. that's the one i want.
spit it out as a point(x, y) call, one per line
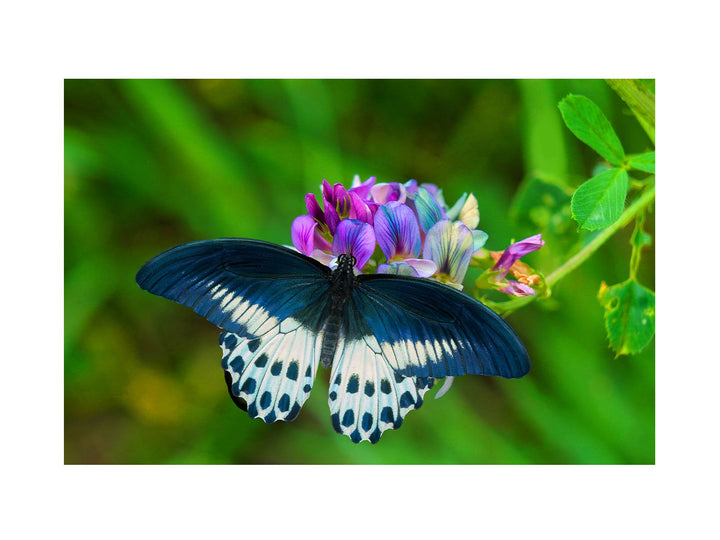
point(331, 334)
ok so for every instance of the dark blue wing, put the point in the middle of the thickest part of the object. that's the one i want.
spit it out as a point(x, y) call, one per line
point(241, 285)
point(271, 301)
point(427, 329)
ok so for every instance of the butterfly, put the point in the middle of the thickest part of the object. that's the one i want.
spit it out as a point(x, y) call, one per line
point(283, 314)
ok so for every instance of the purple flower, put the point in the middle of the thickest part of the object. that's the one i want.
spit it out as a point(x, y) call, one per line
point(356, 238)
point(343, 204)
point(388, 192)
point(362, 189)
point(303, 234)
point(359, 209)
point(517, 250)
point(411, 187)
point(338, 204)
point(398, 235)
point(397, 231)
point(509, 261)
point(417, 232)
point(517, 289)
point(450, 245)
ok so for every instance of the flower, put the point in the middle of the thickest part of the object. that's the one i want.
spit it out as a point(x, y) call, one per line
point(412, 228)
point(415, 230)
point(509, 261)
point(398, 235)
point(450, 245)
point(355, 238)
point(428, 208)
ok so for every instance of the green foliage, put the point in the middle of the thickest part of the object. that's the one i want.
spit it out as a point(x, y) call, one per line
point(599, 202)
point(629, 315)
point(643, 162)
point(588, 123)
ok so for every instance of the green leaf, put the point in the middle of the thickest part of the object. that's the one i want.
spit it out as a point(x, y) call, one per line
point(598, 203)
point(643, 162)
point(629, 315)
point(588, 123)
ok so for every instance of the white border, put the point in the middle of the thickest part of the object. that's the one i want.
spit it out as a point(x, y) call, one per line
point(46, 42)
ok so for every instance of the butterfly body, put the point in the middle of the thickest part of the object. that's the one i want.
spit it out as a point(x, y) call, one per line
point(283, 314)
point(341, 284)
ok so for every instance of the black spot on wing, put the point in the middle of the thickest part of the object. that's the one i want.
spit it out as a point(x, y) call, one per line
point(249, 386)
point(292, 371)
point(353, 384)
point(284, 403)
point(348, 418)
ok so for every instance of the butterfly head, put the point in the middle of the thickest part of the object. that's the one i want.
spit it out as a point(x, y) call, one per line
point(345, 263)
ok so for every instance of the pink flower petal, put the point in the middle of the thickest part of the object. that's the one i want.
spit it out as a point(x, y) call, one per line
point(303, 234)
point(518, 289)
point(517, 250)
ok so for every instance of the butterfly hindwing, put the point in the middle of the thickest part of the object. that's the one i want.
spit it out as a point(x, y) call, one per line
point(427, 329)
point(270, 377)
point(243, 286)
point(366, 396)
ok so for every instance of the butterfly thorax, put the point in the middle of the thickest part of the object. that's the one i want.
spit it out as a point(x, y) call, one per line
point(341, 284)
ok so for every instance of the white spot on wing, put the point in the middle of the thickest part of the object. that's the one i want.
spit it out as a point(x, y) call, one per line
point(220, 293)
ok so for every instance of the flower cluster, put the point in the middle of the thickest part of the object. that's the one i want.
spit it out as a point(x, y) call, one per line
point(406, 229)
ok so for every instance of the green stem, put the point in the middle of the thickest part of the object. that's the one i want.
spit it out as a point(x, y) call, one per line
point(637, 243)
point(581, 256)
point(641, 100)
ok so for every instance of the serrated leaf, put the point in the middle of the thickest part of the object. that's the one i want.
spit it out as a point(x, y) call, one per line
point(589, 124)
point(629, 315)
point(598, 203)
point(643, 162)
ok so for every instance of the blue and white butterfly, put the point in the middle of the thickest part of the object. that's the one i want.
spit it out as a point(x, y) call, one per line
point(387, 337)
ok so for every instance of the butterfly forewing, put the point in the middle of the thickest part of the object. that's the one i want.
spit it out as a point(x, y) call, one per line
point(243, 286)
point(272, 302)
point(427, 329)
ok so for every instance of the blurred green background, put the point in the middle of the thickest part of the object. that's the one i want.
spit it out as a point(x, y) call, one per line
point(151, 164)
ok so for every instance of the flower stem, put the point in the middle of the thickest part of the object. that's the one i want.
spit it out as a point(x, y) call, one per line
point(647, 197)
